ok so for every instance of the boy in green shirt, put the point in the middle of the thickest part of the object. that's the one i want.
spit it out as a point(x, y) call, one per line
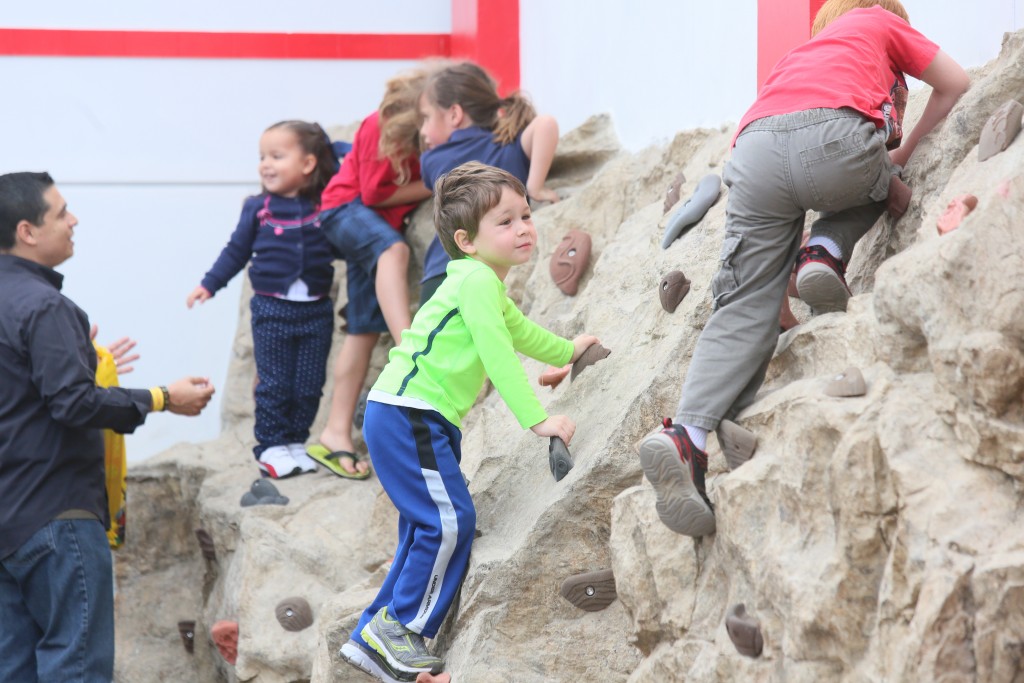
point(467, 331)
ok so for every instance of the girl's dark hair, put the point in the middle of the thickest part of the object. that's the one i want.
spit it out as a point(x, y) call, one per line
point(313, 140)
point(469, 86)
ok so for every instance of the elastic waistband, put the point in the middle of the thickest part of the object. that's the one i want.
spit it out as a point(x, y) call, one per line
point(799, 119)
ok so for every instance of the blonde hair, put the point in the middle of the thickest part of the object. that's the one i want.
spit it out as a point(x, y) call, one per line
point(469, 86)
point(833, 9)
point(463, 196)
point(399, 120)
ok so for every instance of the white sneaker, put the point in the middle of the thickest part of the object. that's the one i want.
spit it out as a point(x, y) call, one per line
point(298, 452)
point(277, 462)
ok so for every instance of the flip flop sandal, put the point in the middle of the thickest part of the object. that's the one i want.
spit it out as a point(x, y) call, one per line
point(225, 637)
point(330, 460)
point(738, 444)
point(570, 260)
point(673, 289)
point(206, 544)
point(1000, 129)
point(559, 459)
point(187, 629)
point(673, 192)
point(690, 213)
point(590, 592)
point(849, 382)
point(294, 613)
point(956, 212)
point(744, 631)
point(591, 355)
point(553, 376)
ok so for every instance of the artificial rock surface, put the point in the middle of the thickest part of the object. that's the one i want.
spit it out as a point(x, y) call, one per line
point(875, 538)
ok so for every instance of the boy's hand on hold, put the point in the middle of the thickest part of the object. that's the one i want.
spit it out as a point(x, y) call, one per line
point(900, 156)
point(199, 294)
point(581, 344)
point(556, 425)
point(189, 395)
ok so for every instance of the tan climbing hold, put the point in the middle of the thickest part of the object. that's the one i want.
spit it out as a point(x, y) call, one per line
point(850, 382)
point(1000, 129)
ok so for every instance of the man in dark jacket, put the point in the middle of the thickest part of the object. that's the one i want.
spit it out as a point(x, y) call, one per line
point(56, 585)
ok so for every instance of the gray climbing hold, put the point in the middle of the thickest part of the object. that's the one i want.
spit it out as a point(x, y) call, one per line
point(704, 197)
point(559, 459)
point(263, 492)
point(744, 631)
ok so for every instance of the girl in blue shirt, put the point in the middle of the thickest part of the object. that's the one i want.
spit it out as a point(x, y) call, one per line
point(464, 119)
point(291, 275)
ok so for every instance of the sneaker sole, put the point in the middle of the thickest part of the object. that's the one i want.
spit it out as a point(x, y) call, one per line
point(371, 664)
point(270, 472)
point(679, 505)
point(393, 664)
point(821, 289)
point(738, 444)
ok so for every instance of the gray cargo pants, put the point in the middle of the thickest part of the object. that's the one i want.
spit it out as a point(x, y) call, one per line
point(829, 160)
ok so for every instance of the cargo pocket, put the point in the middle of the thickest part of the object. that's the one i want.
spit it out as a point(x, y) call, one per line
point(726, 280)
point(839, 173)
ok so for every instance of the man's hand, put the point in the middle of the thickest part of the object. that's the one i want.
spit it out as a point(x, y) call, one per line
point(556, 425)
point(581, 344)
point(189, 395)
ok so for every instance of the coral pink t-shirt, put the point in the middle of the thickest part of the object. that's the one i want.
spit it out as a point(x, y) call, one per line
point(364, 174)
point(852, 63)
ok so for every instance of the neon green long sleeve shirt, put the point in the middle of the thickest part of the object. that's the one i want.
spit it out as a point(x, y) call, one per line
point(467, 331)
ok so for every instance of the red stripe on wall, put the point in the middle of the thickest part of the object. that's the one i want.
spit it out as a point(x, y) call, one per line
point(209, 45)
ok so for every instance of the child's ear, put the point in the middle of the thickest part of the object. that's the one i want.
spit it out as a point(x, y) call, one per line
point(463, 242)
point(308, 164)
point(457, 116)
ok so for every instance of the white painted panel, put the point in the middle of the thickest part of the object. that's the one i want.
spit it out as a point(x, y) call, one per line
point(304, 16)
point(657, 67)
point(662, 67)
point(112, 120)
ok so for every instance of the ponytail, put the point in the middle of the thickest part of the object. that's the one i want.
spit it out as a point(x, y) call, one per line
point(469, 86)
point(517, 112)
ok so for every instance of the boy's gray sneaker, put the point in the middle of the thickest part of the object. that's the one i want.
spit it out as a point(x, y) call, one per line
point(404, 650)
point(372, 663)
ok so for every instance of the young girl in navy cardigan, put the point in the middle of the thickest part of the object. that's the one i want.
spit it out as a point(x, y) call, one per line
point(291, 275)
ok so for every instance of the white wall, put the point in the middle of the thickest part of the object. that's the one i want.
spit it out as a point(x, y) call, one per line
point(663, 67)
point(156, 155)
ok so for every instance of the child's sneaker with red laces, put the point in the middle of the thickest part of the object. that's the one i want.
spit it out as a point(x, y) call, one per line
point(675, 467)
point(820, 280)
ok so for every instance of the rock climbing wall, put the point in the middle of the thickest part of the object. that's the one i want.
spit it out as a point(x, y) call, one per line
point(873, 537)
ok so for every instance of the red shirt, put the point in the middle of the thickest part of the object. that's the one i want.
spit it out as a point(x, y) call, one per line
point(364, 174)
point(852, 63)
